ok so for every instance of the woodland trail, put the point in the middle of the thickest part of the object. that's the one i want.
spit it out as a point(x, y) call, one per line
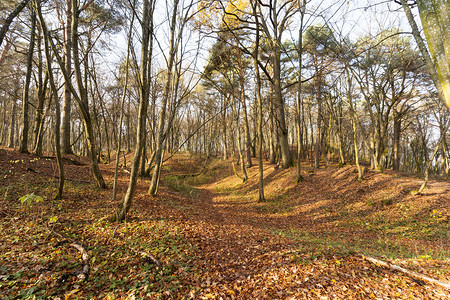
point(214, 240)
point(246, 251)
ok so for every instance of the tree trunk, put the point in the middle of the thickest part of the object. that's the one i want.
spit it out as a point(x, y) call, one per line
point(83, 97)
point(272, 128)
point(161, 122)
point(41, 91)
point(25, 99)
point(435, 17)
point(396, 150)
point(280, 115)
point(10, 18)
point(144, 95)
point(67, 103)
point(261, 197)
point(302, 5)
point(12, 131)
point(57, 112)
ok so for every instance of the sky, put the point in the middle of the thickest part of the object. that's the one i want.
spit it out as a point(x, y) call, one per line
point(350, 18)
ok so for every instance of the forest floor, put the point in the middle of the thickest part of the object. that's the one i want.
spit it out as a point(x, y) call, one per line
point(205, 236)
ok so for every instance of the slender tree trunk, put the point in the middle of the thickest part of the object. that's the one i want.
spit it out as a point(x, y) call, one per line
point(12, 131)
point(84, 102)
point(224, 127)
point(396, 150)
point(244, 111)
point(57, 112)
point(161, 122)
point(239, 142)
point(272, 129)
point(41, 90)
point(144, 90)
point(67, 103)
point(428, 163)
point(261, 197)
point(302, 5)
point(25, 99)
point(318, 130)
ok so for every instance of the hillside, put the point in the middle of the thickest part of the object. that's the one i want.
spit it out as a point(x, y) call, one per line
point(205, 236)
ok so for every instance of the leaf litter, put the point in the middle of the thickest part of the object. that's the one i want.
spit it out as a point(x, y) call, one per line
point(214, 241)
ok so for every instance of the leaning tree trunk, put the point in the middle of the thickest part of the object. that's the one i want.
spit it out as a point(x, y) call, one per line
point(81, 98)
point(435, 16)
point(10, 18)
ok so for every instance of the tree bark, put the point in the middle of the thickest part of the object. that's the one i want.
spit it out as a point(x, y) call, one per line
point(144, 95)
point(162, 117)
point(302, 5)
point(25, 99)
point(83, 97)
point(55, 97)
point(67, 103)
point(10, 18)
point(435, 16)
point(261, 197)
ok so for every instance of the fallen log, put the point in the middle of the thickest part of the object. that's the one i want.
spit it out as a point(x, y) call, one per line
point(441, 283)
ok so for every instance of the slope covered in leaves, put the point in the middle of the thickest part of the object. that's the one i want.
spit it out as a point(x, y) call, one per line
point(205, 236)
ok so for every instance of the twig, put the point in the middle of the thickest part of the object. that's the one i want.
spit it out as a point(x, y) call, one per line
point(441, 283)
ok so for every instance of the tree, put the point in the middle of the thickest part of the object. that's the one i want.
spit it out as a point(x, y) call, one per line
point(274, 21)
point(179, 17)
point(144, 94)
point(4, 29)
point(54, 90)
point(25, 99)
point(320, 45)
point(435, 17)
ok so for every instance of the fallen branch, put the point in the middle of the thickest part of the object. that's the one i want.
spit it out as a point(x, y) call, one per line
point(54, 176)
point(444, 284)
point(84, 273)
point(148, 256)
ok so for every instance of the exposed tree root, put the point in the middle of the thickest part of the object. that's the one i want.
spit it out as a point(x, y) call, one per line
point(441, 283)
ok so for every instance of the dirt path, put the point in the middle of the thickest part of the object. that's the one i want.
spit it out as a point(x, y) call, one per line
point(214, 240)
point(243, 257)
